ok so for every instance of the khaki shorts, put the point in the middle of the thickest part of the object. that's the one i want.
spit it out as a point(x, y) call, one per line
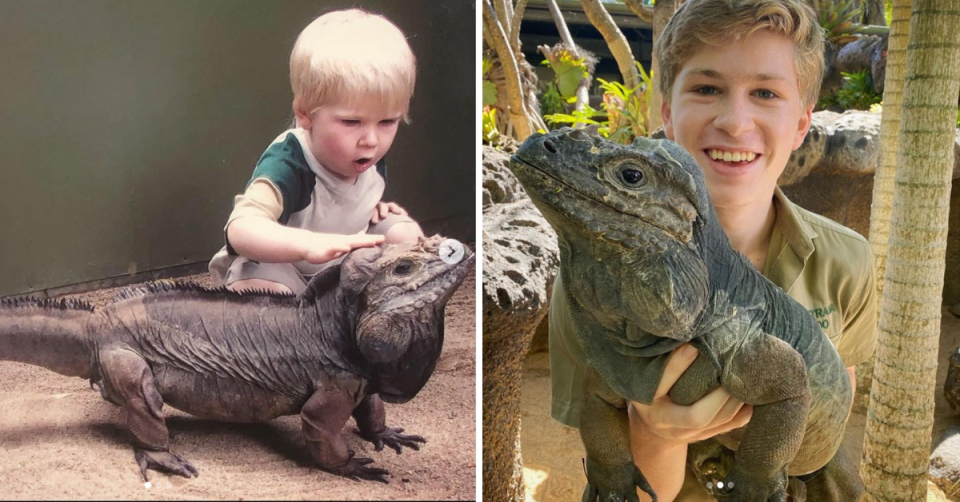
point(286, 273)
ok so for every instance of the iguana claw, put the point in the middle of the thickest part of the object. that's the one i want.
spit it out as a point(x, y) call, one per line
point(392, 438)
point(741, 488)
point(164, 461)
point(356, 469)
point(615, 483)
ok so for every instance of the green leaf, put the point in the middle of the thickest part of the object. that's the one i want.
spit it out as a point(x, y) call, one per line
point(489, 93)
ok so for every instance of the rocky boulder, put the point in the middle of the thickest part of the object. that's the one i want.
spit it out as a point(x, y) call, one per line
point(520, 260)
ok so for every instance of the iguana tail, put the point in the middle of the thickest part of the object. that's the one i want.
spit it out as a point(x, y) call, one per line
point(47, 333)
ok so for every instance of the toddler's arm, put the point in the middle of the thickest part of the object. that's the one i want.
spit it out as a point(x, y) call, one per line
point(265, 240)
point(254, 233)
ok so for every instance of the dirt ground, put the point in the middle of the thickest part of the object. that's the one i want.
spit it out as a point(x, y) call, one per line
point(60, 440)
point(551, 452)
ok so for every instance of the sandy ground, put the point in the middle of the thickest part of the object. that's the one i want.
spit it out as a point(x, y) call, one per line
point(552, 452)
point(60, 440)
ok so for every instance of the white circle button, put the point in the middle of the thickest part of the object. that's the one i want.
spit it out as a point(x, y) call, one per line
point(451, 251)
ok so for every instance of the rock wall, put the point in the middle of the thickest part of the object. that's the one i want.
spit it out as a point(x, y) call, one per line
point(520, 260)
point(839, 185)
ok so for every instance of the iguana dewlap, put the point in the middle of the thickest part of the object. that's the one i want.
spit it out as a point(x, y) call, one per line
point(646, 267)
point(366, 331)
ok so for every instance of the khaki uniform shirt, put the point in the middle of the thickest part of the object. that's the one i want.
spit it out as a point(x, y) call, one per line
point(821, 264)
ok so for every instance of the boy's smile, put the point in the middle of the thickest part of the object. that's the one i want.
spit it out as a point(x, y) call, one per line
point(737, 109)
point(348, 139)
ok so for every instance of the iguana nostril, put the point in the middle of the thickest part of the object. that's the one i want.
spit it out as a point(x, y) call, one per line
point(549, 146)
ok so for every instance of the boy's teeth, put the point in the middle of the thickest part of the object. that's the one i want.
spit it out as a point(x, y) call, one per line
point(732, 156)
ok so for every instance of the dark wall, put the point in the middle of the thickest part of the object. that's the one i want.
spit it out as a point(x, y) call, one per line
point(126, 127)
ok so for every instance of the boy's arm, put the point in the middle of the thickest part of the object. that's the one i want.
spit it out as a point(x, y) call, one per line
point(253, 232)
point(661, 431)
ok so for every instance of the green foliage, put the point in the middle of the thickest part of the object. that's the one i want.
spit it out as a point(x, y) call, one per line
point(625, 111)
point(489, 88)
point(551, 102)
point(888, 11)
point(568, 72)
point(856, 93)
point(489, 93)
point(838, 20)
point(491, 135)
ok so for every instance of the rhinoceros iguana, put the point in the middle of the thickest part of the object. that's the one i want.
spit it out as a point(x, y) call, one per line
point(370, 329)
point(646, 267)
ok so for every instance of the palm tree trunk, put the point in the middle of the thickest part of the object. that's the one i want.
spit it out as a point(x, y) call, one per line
point(900, 417)
point(887, 164)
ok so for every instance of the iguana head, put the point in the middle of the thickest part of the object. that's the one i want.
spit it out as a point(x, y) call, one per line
point(400, 292)
point(626, 218)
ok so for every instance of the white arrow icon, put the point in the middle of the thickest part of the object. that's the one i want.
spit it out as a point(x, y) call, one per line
point(451, 251)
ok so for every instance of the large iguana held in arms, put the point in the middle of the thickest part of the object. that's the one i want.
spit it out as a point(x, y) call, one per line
point(368, 329)
point(646, 267)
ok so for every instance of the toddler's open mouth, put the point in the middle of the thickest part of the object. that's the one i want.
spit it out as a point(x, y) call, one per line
point(362, 164)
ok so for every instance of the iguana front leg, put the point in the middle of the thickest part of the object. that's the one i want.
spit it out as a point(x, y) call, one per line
point(611, 473)
point(323, 417)
point(372, 423)
point(776, 429)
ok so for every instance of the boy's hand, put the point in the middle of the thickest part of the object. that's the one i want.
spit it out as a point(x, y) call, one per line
point(715, 413)
point(385, 208)
point(321, 248)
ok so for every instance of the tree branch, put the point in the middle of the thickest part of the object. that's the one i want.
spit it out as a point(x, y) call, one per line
point(515, 25)
point(642, 11)
point(601, 20)
point(515, 102)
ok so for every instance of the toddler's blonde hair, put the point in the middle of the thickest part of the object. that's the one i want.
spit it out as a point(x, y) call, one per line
point(348, 55)
point(716, 22)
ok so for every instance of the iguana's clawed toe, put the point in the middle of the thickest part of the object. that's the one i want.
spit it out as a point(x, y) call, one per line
point(356, 469)
point(740, 488)
point(164, 461)
point(391, 437)
point(615, 483)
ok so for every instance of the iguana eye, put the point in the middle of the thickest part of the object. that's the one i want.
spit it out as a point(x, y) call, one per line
point(403, 268)
point(631, 176)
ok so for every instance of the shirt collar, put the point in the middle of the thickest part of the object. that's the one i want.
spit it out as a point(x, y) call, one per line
point(797, 232)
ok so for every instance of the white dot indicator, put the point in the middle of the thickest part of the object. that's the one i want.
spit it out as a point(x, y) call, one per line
point(147, 485)
point(709, 485)
point(719, 484)
point(451, 251)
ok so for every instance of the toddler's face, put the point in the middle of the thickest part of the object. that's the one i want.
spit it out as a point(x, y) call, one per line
point(349, 138)
point(737, 109)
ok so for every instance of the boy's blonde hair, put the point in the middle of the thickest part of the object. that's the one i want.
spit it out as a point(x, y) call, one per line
point(717, 22)
point(351, 54)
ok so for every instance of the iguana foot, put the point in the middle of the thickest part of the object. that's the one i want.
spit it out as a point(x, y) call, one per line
point(356, 469)
point(164, 461)
point(741, 488)
point(615, 483)
point(392, 438)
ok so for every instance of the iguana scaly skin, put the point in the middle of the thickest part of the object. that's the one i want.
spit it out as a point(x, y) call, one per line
point(368, 329)
point(646, 267)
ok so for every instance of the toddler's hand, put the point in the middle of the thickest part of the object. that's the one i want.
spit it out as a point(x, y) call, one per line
point(321, 248)
point(383, 209)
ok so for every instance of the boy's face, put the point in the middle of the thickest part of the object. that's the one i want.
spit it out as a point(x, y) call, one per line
point(349, 138)
point(739, 100)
